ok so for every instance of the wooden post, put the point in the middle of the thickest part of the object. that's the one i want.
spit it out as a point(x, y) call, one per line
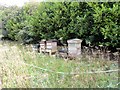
point(108, 55)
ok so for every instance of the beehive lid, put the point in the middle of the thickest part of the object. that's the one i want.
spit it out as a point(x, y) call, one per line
point(76, 40)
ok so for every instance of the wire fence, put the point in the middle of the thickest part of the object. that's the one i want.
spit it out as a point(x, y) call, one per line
point(36, 76)
point(66, 73)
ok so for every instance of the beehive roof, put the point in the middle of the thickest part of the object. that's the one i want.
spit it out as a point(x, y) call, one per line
point(76, 40)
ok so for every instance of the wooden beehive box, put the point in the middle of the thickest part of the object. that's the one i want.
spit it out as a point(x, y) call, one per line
point(42, 46)
point(51, 46)
point(74, 47)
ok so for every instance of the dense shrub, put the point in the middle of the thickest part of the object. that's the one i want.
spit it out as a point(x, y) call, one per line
point(96, 23)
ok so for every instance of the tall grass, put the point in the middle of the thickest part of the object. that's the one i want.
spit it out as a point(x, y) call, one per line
point(22, 68)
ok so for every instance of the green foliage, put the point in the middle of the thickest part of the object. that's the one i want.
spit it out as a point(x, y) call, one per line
point(96, 23)
point(106, 23)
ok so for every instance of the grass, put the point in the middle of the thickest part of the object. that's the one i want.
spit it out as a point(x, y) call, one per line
point(20, 67)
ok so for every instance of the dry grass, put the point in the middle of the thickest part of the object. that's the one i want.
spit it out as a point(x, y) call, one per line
point(19, 67)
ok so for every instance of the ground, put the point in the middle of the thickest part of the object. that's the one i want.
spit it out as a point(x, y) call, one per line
point(21, 67)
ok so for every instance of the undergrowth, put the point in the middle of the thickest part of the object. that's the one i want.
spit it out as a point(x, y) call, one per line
point(20, 67)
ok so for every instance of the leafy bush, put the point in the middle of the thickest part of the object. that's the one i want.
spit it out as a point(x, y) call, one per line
point(96, 23)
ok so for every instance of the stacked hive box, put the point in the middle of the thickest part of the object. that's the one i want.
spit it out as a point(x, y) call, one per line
point(51, 46)
point(43, 46)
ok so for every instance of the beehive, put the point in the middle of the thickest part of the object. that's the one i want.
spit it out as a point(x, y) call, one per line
point(42, 46)
point(51, 46)
point(74, 47)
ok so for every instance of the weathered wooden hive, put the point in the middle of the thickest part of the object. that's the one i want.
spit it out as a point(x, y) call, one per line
point(51, 46)
point(74, 47)
point(42, 46)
